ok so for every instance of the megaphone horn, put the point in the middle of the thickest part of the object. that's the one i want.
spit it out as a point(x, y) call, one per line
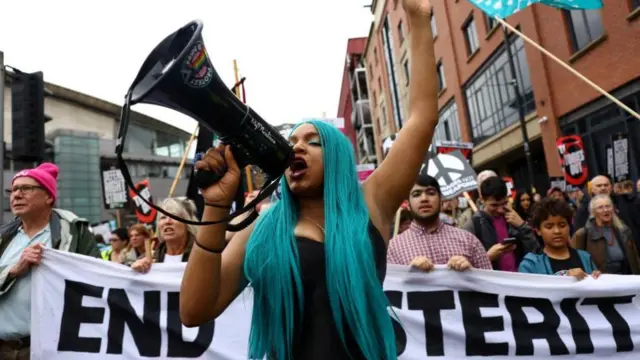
point(178, 75)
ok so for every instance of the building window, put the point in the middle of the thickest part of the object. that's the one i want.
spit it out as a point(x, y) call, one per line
point(361, 91)
point(585, 26)
point(370, 72)
point(596, 128)
point(470, 36)
point(448, 124)
point(635, 4)
point(491, 100)
point(434, 28)
point(490, 22)
point(387, 42)
point(442, 83)
point(406, 70)
point(168, 145)
point(380, 84)
point(384, 116)
point(79, 183)
point(375, 56)
point(140, 140)
point(400, 32)
point(374, 99)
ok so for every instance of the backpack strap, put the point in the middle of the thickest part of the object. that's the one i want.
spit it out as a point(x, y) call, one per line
point(477, 227)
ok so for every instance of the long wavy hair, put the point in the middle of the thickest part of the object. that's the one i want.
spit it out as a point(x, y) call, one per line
point(271, 265)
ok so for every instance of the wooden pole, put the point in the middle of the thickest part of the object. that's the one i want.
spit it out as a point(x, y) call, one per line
point(396, 225)
point(247, 170)
point(572, 70)
point(470, 201)
point(176, 179)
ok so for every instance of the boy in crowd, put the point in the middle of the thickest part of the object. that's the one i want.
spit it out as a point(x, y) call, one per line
point(551, 221)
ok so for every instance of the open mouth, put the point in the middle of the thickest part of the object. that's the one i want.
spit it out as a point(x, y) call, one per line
point(167, 231)
point(298, 167)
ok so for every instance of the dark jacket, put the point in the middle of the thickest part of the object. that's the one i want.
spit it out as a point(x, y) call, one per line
point(627, 207)
point(592, 240)
point(68, 233)
point(482, 227)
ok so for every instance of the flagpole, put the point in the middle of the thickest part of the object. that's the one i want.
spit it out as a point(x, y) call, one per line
point(521, 113)
point(572, 70)
point(247, 170)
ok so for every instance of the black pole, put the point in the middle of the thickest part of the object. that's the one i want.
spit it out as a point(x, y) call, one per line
point(523, 124)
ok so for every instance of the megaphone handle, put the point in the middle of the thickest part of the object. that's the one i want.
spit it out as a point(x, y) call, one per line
point(205, 178)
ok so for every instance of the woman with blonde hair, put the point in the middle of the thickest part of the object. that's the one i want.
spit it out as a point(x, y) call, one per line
point(608, 240)
point(176, 238)
point(139, 235)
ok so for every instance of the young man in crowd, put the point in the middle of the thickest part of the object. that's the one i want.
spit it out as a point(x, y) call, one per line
point(505, 236)
point(465, 217)
point(551, 220)
point(429, 241)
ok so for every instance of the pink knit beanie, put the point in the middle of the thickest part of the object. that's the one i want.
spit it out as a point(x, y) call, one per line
point(46, 175)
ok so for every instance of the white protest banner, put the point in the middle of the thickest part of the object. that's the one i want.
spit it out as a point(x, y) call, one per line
point(87, 309)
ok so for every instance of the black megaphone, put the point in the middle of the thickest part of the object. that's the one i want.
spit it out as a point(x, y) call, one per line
point(178, 75)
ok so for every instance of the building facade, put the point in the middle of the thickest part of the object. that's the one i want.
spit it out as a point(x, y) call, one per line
point(354, 103)
point(83, 137)
point(477, 99)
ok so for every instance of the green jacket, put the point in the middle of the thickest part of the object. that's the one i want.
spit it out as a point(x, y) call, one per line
point(68, 233)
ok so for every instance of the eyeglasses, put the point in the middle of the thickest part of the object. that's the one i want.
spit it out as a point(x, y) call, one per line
point(25, 189)
point(604, 207)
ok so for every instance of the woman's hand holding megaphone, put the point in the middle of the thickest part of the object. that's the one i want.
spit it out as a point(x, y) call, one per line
point(220, 161)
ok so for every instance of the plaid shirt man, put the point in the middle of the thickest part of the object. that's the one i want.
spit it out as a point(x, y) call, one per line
point(438, 245)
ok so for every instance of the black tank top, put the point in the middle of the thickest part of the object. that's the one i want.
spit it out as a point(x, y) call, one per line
point(316, 336)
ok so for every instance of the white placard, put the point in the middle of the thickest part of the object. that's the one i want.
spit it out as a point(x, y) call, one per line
point(115, 189)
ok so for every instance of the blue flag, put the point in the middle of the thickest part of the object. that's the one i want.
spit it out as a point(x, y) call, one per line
point(505, 8)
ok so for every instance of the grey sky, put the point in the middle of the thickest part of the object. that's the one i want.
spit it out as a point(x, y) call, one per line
point(291, 51)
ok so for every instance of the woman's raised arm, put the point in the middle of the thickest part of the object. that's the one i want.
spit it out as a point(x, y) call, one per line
point(391, 182)
point(213, 278)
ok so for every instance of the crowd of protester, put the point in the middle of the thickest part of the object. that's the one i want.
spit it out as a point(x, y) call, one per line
point(575, 233)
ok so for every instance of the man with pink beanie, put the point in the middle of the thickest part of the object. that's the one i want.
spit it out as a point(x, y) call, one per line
point(37, 225)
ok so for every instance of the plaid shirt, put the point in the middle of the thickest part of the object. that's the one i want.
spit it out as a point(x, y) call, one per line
point(439, 246)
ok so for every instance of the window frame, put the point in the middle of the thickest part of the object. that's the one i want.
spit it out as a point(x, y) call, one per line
point(571, 29)
point(466, 25)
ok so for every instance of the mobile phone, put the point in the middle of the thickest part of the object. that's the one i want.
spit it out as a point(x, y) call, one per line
point(510, 241)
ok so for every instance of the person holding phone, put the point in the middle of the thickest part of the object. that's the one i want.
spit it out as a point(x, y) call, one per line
point(551, 220)
point(497, 222)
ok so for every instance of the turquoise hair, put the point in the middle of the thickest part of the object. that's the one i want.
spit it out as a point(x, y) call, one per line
point(271, 265)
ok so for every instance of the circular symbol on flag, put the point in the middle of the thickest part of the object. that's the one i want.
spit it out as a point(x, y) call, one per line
point(452, 167)
point(196, 71)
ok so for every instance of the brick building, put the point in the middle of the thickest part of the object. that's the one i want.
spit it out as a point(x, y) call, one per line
point(353, 105)
point(478, 104)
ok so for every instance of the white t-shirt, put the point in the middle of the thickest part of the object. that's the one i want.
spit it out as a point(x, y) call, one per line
point(172, 259)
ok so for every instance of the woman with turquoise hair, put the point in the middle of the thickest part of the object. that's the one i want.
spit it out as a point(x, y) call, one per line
point(316, 259)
